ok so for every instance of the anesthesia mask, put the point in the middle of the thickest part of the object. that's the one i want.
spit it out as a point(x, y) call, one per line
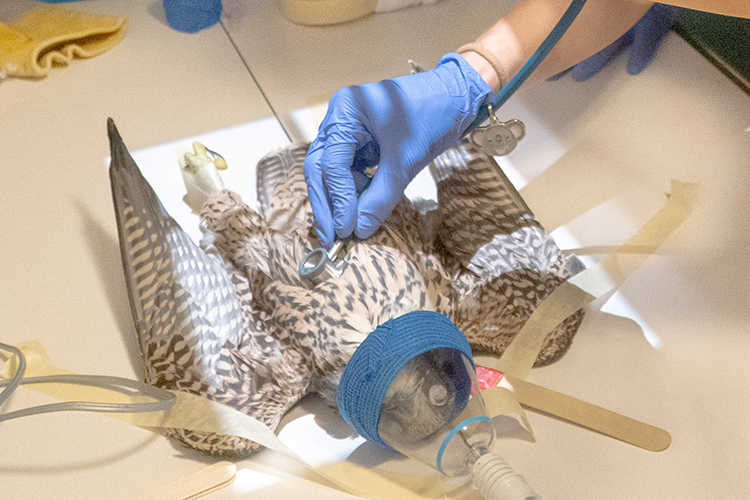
point(411, 386)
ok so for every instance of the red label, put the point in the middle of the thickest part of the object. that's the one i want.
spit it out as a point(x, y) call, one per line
point(487, 377)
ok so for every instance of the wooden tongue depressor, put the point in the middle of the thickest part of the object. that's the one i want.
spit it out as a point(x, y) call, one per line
point(196, 485)
point(590, 416)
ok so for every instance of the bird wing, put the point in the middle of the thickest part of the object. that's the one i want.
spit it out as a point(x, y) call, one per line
point(178, 294)
point(506, 263)
point(477, 202)
point(193, 314)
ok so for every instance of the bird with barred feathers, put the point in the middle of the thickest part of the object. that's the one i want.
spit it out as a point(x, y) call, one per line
point(231, 319)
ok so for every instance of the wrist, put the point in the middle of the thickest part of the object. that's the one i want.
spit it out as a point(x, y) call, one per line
point(484, 68)
point(489, 67)
point(464, 85)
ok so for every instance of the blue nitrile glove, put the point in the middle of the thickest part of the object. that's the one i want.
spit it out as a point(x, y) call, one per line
point(643, 39)
point(191, 16)
point(400, 125)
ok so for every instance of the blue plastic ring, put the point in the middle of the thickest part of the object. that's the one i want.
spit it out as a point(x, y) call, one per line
point(453, 432)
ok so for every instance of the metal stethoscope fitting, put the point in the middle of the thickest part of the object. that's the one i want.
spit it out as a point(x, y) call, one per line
point(320, 265)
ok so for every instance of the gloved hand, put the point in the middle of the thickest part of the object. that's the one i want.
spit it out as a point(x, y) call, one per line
point(643, 39)
point(400, 125)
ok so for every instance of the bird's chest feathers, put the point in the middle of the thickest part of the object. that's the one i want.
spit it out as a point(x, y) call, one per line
point(380, 281)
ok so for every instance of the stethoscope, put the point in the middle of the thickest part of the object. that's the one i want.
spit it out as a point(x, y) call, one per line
point(495, 139)
point(321, 264)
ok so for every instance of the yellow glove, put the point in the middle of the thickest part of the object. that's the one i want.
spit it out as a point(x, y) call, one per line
point(50, 36)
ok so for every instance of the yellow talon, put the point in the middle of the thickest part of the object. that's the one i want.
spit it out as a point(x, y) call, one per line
point(221, 163)
point(201, 156)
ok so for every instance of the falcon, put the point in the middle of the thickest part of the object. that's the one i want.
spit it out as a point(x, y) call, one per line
point(230, 318)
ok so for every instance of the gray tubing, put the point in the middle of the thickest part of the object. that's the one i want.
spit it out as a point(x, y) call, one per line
point(165, 400)
point(14, 382)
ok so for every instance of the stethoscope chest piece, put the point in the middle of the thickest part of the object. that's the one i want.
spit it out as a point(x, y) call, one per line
point(320, 265)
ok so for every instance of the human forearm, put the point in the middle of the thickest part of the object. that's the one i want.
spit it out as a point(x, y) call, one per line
point(514, 38)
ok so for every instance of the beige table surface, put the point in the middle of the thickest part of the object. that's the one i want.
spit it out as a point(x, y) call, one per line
point(606, 149)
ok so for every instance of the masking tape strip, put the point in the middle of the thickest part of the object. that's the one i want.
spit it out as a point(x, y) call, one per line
point(598, 280)
point(500, 401)
point(608, 249)
point(576, 293)
point(196, 413)
point(190, 412)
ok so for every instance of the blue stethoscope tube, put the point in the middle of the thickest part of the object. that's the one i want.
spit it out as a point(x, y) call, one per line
point(536, 58)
